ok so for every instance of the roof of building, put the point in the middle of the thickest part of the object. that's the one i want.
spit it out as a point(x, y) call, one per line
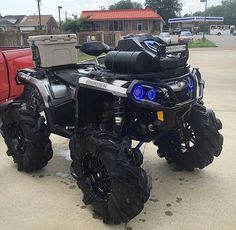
point(5, 22)
point(125, 14)
point(33, 20)
point(14, 18)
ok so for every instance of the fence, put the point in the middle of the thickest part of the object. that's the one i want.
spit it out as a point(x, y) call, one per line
point(110, 38)
point(20, 39)
point(16, 39)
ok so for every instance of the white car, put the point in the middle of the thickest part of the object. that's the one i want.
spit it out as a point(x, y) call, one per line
point(165, 36)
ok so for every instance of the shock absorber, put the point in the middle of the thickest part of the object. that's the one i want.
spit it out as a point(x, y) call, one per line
point(119, 107)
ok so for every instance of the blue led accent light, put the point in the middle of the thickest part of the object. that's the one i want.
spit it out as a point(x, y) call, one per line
point(190, 85)
point(152, 94)
point(138, 92)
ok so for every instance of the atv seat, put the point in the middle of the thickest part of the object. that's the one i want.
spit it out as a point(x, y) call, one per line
point(68, 76)
point(94, 48)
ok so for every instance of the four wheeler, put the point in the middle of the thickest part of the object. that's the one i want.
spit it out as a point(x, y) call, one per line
point(142, 90)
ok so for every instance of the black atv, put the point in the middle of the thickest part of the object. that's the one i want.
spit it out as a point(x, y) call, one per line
point(142, 90)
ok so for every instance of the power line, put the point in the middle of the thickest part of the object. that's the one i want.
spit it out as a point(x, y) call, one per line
point(49, 10)
point(46, 11)
point(54, 10)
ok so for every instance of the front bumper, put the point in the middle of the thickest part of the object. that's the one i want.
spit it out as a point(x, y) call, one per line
point(196, 95)
point(174, 104)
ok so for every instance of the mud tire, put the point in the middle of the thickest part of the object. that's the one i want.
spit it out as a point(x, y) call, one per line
point(128, 181)
point(27, 137)
point(208, 141)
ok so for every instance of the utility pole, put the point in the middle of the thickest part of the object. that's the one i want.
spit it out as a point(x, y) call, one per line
point(59, 14)
point(205, 20)
point(40, 22)
point(65, 15)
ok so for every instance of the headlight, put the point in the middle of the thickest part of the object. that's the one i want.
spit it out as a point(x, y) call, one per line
point(138, 92)
point(151, 94)
point(141, 92)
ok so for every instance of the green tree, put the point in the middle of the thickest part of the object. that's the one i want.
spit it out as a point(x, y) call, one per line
point(125, 4)
point(199, 13)
point(77, 25)
point(215, 11)
point(188, 15)
point(166, 8)
point(227, 9)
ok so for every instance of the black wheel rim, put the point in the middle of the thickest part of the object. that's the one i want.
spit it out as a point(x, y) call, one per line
point(35, 100)
point(95, 170)
point(189, 137)
point(185, 138)
point(19, 136)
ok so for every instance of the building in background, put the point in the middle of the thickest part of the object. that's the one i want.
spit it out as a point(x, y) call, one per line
point(31, 23)
point(9, 23)
point(126, 21)
point(193, 23)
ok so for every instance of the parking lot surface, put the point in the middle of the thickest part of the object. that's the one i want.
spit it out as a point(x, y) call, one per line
point(204, 199)
point(224, 42)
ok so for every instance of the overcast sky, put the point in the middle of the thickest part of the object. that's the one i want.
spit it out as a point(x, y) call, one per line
point(27, 7)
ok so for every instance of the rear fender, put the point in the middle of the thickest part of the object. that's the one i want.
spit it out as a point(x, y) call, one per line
point(58, 102)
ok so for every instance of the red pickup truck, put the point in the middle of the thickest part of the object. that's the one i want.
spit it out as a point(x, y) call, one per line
point(12, 60)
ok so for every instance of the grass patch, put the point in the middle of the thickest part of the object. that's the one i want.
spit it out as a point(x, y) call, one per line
point(202, 44)
point(84, 57)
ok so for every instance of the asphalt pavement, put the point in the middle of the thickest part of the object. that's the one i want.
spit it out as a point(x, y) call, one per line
point(224, 42)
point(203, 199)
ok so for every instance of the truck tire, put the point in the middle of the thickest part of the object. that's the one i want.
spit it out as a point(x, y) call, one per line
point(109, 177)
point(203, 141)
point(27, 137)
